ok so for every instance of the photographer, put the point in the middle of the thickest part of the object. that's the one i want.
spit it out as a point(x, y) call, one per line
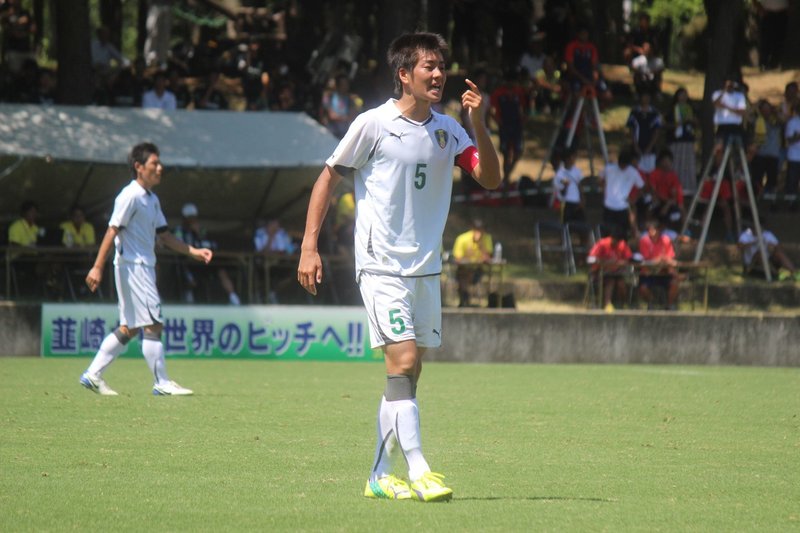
point(730, 107)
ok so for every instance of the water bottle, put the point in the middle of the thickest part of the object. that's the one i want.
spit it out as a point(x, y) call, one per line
point(498, 252)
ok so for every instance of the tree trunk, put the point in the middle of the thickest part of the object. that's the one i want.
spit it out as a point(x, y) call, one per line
point(724, 23)
point(394, 19)
point(791, 59)
point(111, 18)
point(141, 26)
point(73, 54)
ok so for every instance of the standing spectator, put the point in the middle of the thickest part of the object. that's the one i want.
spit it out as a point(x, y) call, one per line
point(792, 134)
point(790, 98)
point(766, 147)
point(667, 192)
point(567, 187)
point(192, 233)
point(647, 68)
point(77, 231)
point(159, 97)
point(621, 185)
point(773, 16)
point(398, 238)
point(659, 269)
point(106, 56)
point(532, 60)
point(509, 107)
point(644, 32)
point(339, 107)
point(18, 30)
point(730, 107)
point(471, 249)
point(285, 98)
point(644, 123)
point(682, 135)
point(583, 67)
point(136, 224)
point(547, 83)
point(208, 96)
point(611, 255)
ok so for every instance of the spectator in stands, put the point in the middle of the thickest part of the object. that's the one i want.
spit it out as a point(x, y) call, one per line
point(773, 15)
point(194, 274)
point(792, 135)
point(178, 87)
point(567, 188)
point(471, 249)
point(285, 98)
point(159, 97)
point(730, 107)
point(790, 98)
point(19, 29)
point(547, 84)
point(682, 129)
point(509, 110)
point(644, 123)
point(271, 239)
point(77, 231)
point(532, 60)
point(106, 56)
point(611, 255)
point(644, 32)
point(207, 95)
point(583, 68)
point(24, 231)
point(778, 261)
point(659, 269)
point(766, 147)
point(621, 184)
point(339, 107)
point(647, 68)
point(667, 193)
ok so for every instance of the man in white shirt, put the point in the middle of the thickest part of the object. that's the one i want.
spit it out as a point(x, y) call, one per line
point(618, 182)
point(401, 157)
point(567, 187)
point(730, 106)
point(159, 97)
point(136, 223)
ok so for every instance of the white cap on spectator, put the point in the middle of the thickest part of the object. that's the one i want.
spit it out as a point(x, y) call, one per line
point(189, 210)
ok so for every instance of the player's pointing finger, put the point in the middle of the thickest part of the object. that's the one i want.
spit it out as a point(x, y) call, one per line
point(471, 85)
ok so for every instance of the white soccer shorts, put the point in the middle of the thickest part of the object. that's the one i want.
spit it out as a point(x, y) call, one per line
point(401, 309)
point(139, 302)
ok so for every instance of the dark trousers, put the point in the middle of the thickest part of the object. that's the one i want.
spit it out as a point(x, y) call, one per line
point(760, 166)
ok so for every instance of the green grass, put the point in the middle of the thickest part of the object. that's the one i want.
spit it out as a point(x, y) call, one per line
point(275, 446)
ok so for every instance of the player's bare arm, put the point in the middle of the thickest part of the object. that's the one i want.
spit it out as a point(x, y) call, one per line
point(169, 240)
point(309, 271)
point(487, 172)
point(95, 275)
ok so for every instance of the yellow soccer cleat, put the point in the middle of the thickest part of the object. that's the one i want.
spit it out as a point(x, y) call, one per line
point(387, 487)
point(430, 488)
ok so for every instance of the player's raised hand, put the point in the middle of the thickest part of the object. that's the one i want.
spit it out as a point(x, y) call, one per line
point(471, 98)
point(309, 271)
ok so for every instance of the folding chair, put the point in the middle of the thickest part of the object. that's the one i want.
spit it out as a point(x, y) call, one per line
point(551, 237)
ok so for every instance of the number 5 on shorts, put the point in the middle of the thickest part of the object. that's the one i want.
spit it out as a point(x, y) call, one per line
point(399, 325)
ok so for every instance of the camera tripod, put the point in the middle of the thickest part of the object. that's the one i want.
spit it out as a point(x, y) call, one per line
point(732, 143)
point(581, 112)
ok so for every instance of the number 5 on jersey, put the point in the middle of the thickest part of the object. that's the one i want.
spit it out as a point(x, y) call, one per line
point(419, 175)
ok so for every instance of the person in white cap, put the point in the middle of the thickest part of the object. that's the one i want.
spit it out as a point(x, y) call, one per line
point(192, 233)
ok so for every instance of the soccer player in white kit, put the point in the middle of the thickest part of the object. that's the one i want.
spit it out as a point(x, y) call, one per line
point(401, 157)
point(136, 222)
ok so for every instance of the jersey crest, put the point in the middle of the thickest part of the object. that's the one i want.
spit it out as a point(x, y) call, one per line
point(441, 138)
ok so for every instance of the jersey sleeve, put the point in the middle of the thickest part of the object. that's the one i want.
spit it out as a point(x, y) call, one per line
point(357, 145)
point(124, 208)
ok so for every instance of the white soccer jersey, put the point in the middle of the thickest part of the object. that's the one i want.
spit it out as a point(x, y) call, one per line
point(137, 214)
point(569, 179)
point(403, 177)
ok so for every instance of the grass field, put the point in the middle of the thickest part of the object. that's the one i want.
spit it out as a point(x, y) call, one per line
point(274, 446)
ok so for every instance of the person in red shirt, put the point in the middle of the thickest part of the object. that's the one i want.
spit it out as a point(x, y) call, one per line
point(509, 108)
point(658, 269)
point(611, 254)
point(667, 191)
point(583, 67)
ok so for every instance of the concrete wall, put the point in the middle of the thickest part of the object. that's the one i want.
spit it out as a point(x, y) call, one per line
point(596, 337)
point(591, 337)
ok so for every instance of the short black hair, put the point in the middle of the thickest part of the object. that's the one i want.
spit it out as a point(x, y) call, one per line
point(626, 156)
point(405, 50)
point(140, 154)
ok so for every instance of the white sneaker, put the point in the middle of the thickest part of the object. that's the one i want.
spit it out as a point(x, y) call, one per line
point(171, 388)
point(97, 384)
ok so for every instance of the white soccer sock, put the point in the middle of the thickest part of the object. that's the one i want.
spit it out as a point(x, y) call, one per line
point(110, 348)
point(386, 443)
point(153, 351)
point(406, 427)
